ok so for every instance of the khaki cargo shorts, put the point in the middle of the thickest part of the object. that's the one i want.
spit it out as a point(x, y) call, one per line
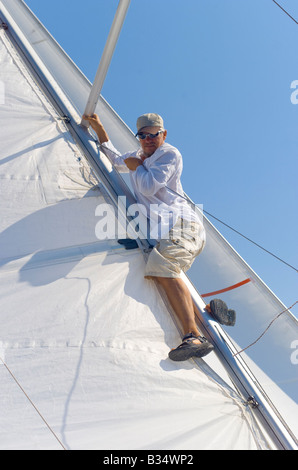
point(177, 253)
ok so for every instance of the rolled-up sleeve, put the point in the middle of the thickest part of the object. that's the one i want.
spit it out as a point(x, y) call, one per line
point(156, 176)
point(114, 155)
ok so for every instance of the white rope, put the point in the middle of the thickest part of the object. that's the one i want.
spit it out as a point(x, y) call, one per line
point(29, 399)
point(271, 323)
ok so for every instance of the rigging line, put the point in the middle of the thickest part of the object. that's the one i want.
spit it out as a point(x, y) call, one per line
point(251, 241)
point(285, 11)
point(271, 323)
point(234, 230)
point(36, 409)
point(101, 146)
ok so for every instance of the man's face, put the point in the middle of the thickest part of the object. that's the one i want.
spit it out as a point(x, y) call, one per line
point(150, 145)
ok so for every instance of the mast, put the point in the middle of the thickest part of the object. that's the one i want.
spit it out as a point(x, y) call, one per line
point(106, 58)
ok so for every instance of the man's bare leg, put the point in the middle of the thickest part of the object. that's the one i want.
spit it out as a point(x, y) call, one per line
point(181, 301)
point(194, 345)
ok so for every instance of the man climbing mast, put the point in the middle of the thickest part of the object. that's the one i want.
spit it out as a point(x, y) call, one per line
point(155, 172)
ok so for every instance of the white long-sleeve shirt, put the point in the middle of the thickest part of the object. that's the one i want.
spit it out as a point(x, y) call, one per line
point(150, 183)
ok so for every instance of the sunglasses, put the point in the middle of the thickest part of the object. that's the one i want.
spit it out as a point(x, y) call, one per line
point(143, 136)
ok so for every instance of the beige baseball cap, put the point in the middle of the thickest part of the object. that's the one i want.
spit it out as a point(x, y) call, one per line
point(149, 120)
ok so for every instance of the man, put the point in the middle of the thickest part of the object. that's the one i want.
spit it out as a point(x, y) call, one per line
point(155, 172)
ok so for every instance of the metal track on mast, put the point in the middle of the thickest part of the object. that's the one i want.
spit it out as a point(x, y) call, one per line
point(244, 381)
point(111, 180)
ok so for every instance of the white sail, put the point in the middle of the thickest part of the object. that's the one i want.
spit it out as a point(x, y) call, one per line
point(84, 338)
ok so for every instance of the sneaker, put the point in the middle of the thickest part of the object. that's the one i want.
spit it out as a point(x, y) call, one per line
point(191, 348)
point(220, 312)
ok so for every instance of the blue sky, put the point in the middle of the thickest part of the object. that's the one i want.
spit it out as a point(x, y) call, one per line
point(220, 74)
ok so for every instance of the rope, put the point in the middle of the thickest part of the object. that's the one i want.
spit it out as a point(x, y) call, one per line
point(101, 146)
point(251, 241)
point(29, 399)
point(285, 11)
point(270, 324)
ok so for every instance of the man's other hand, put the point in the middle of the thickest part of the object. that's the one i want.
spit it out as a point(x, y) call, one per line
point(132, 163)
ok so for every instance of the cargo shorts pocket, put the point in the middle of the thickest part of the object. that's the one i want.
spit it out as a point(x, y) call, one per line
point(188, 238)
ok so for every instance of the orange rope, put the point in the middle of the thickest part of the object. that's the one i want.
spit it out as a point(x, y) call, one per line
point(226, 289)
